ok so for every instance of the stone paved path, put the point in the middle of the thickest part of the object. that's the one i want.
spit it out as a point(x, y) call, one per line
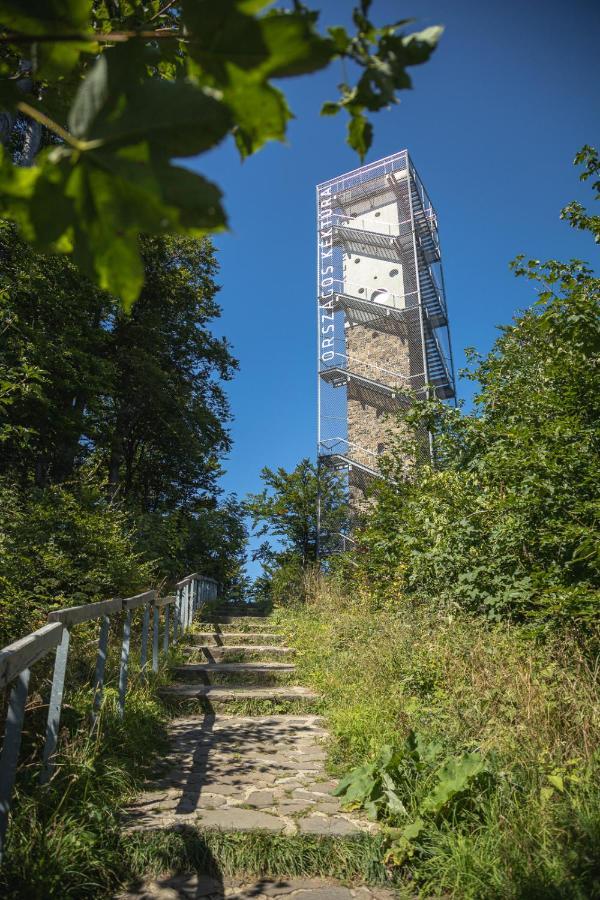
point(193, 887)
point(241, 773)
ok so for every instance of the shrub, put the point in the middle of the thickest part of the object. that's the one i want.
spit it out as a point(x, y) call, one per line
point(60, 547)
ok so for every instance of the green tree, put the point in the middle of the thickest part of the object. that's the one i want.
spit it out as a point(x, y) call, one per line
point(205, 535)
point(61, 547)
point(287, 510)
point(161, 429)
point(56, 323)
point(508, 524)
point(123, 89)
point(120, 420)
point(139, 397)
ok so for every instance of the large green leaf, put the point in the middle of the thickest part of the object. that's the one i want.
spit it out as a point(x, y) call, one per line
point(259, 110)
point(197, 200)
point(360, 789)
point(277, 45)
point(253, 6)
point(362, 775)
point(221, 32)
point(360, 133)
point(294, 46)
point(51, 17)
point(95, 204)
point(455, 776)
point(402, 847)
point(176, 116)
point(46, 16)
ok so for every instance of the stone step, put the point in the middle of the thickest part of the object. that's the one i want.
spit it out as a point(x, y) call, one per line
point(241, 668)
point(215, 650)
point(224, 693)
point(238, 611)
point(204, 887)
point(217, 639)
point(241, 620)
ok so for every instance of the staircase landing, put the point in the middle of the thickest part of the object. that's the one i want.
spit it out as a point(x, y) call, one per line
point(204, 887)
point(243, 773)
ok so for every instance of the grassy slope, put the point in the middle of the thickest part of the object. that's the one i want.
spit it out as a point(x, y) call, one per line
point(532, 710)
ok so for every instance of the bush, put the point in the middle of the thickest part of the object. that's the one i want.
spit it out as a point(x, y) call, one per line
point(432, 699)
point(507, 524)
point(61, 547)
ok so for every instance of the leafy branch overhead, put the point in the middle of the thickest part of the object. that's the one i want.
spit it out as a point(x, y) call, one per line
point(124, 89)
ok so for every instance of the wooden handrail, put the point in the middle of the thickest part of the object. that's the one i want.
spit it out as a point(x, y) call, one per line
point(22, 654)
point(17, 659)
point(73, 615)
point(139, 600)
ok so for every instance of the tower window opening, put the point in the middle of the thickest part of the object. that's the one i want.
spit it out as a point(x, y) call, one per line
point(380, 296)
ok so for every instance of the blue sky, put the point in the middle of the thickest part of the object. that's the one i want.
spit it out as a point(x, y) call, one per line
point(492, 124)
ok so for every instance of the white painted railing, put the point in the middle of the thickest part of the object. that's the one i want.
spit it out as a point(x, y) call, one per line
point(17, 659)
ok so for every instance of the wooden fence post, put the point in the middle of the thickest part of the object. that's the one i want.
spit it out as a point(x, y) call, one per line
point(145, 627)
point(155, 651)
point(100, 666)
point(11, 747)
point(176, 613)
point(123, 671)
point(55, 705)
point(166, 629)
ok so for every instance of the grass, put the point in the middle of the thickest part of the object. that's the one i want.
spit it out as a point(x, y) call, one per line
point(532, 709)
point(199, 706)
point(64, 839)
point(256, 853)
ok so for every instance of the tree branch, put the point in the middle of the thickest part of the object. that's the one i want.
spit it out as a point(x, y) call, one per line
point(113, 37)
point(49, 123)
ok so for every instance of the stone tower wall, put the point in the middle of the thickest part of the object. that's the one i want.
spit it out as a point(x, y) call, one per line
point(370, 428)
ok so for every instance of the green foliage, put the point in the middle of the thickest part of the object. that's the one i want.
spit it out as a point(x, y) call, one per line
point(112, 429)
point(575, 213)
point(507, 524)
point(383, 55)
point(453, 778)
point(58, 548)
point(289, 509)
point(126, 89)
point(400, 781)
point(480, 744)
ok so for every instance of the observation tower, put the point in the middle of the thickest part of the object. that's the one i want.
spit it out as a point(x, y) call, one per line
point(383, 335)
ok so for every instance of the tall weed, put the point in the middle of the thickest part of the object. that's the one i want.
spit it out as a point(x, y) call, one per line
point(528, 711)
